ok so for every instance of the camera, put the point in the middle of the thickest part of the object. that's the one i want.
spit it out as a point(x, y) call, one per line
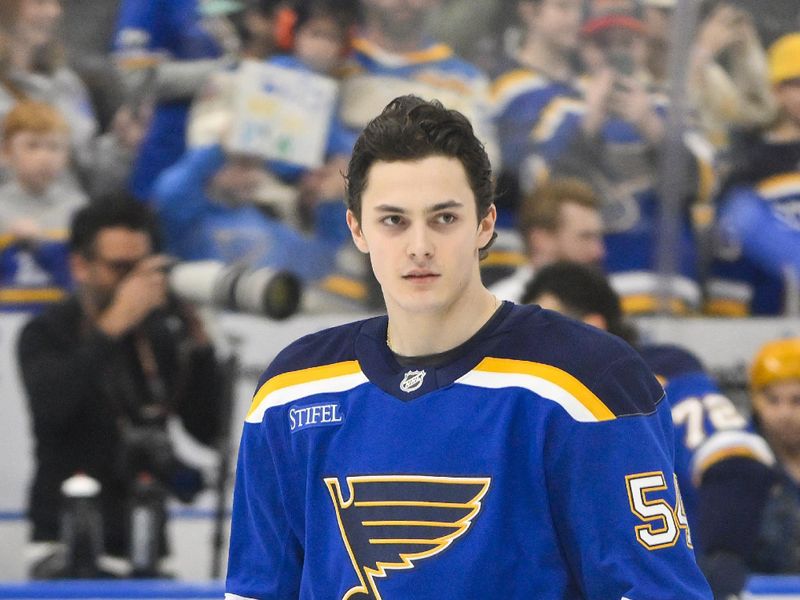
point(235, 287)
point(147, 448)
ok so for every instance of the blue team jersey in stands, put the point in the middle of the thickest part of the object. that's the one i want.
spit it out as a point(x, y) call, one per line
point(759, 239)
point(32, 277)
point(539, 122)
point(537, 463)
point(708, 427)
point(148, 31)
point(373, 77)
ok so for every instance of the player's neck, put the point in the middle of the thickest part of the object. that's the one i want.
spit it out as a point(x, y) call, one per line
point(436, 331)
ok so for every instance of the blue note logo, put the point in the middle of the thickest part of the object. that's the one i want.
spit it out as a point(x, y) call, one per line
point(412, 381)
point(315, 415)
point(390, 521)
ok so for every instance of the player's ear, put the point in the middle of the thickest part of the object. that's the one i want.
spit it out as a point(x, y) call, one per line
point(356, 232)
point(486, 226)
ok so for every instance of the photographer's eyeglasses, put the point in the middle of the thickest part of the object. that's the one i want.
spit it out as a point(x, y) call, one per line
point(119, 267)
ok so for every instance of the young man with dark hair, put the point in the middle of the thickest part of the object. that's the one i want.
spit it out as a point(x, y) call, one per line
point(724, 470)
point(104, 371)
point(456, 447)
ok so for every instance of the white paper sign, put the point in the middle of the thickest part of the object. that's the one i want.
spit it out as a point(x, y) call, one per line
point(282, 114)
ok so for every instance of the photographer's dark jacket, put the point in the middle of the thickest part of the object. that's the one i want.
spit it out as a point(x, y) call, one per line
point(87, 392)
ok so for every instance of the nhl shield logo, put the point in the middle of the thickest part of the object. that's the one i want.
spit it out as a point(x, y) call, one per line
point(412, 381)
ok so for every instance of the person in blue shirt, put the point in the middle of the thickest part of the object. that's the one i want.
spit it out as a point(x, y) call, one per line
point(165, 51)
point(756, 267)
point(207, 209)
point(457, 446)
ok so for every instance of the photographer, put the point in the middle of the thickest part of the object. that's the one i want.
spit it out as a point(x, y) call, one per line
point(104, 371)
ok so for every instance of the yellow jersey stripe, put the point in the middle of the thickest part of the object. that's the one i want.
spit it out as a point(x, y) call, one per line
point(575, 397)
point(779, 185)
point(23, 296)
point(434, 53)
point(312, 380)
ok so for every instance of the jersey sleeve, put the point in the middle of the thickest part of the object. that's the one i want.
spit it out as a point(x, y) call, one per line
point(615, 499)
point(266, 556)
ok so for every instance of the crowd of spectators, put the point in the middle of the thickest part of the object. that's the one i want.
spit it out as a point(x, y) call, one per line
point(150, 104)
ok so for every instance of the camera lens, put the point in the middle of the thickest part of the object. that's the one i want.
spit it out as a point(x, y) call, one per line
point(238, 288)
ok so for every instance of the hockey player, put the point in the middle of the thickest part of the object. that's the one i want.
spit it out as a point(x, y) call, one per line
point(458, 447)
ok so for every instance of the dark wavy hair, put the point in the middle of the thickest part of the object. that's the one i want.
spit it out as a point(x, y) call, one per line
point(409, 129)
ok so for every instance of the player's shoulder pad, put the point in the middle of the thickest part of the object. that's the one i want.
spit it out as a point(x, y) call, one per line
point(603, 363)
point(316, 363)
point(328, 346)
point(670, 361)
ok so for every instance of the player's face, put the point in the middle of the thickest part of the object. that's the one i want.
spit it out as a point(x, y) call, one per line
point(579, 237)
point(420, 227)
point(778, 409)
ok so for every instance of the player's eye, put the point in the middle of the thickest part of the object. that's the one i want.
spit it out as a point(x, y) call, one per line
point(445, 218)
point(392, 220)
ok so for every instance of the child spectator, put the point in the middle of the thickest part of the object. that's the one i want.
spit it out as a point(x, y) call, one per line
point(38, 202)
point(32, 67)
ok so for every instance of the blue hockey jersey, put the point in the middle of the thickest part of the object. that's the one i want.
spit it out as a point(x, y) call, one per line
point(757, 254)
point(537, 463)
point(33, 277)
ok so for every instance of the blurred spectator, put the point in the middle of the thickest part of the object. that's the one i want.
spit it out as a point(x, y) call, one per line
point(560, 220)
point(536, 103)
point(166, 51)
point(104, 372)
point(393, 56)
point(775, 389)
point(657, 18)
point(757, 259)
point(32, 67)
point(615, 144)
point(206, 204)
point(87, 50)
point(259, 23)
point(318, 34)
point(38, 202)
point(728, 73)
point(724, 470)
